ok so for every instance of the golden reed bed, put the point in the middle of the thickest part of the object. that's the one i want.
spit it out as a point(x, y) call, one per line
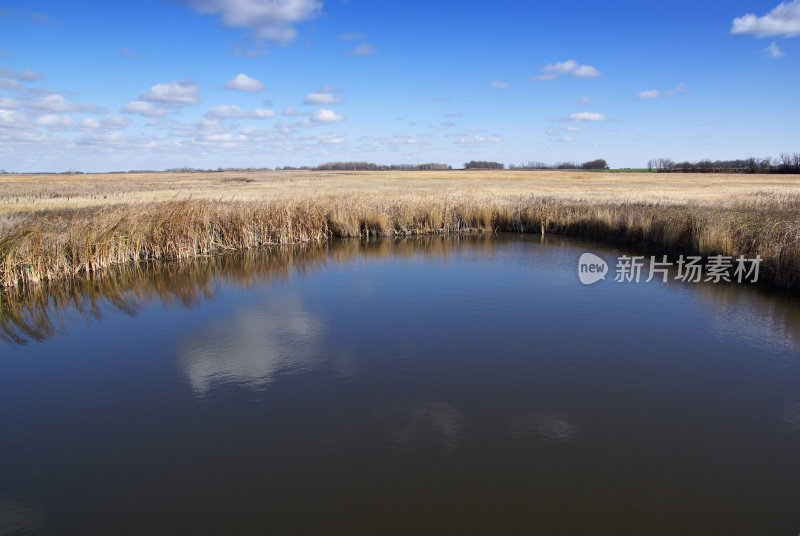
point(58, 226)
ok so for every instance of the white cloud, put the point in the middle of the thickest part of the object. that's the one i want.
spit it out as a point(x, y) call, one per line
point(273, 20)
point(551, 71)
point(289, 111)
point(561, 67)
point(783, 20)
point(657, 94)
point(8, 104)
point(324, 115)
point(330, 139)
point(55, 121)
point(773, 50)
point(680, 88)
point(479, 140)
point(109, 122)
point(399, 139)
point(575, 129)
point(586, 71)
point(27, 75)
point(586, 116)
point(649, 94)
point(9, 119)
point(321, 99)
point(364, 49)
point(147, 109)
point(174, 93)
point(58, 104)
point(500, 85)
point(11, 84)
point(566, 139)
point(242, 82)
point(234, 112)
point(90, 123)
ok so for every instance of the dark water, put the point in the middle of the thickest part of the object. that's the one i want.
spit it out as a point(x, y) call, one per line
point(422, 386)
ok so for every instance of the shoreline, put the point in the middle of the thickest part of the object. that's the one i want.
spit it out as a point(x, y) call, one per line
point(68, 243)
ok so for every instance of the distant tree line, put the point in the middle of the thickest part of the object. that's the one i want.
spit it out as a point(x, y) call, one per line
point(482, 164)
point(785, 163)
point(370, 166)
point(592, 164)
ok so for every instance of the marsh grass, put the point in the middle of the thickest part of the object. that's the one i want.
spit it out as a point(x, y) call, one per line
point(66, 243)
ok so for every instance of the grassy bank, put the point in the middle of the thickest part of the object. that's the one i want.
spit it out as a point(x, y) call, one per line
point(65, 243)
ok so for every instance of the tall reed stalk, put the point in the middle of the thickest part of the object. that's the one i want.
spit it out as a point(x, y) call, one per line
point(61, 244)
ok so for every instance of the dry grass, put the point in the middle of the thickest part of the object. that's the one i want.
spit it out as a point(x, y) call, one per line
point(62, 226)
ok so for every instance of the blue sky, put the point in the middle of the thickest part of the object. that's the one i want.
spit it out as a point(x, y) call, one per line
point(98, 86)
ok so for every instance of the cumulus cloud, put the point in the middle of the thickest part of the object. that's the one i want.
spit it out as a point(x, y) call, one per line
point(273, 20)
point(27, 75)
point(783, 20)
point(56, 122)
point(500, 85)
point(551, 71)
point(324, 115)
point(109, 122)
point(289, 111)
point(773, 50)
point(657, 94)
point(242, 82)
point(321, 99)
point(58, 104)
point(10, 119)
point(586, 116)
point(649, 94)
point(174, 93)
point(9, 104)
point(234, 112)
point(364, 49)
point(147, 109)
point(586, 71)
point(10, 84)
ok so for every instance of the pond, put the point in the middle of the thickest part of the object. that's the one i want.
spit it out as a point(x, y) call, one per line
point(435, 385)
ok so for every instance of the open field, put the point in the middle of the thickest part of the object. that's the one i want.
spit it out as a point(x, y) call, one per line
point(25, 193)
point(56, 226)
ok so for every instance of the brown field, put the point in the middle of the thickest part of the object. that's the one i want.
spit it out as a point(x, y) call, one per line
point(27, 193)
point(57, 226)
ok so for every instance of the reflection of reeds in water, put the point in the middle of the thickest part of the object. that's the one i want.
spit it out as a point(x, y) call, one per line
point(34, 312)
point(62, 244)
